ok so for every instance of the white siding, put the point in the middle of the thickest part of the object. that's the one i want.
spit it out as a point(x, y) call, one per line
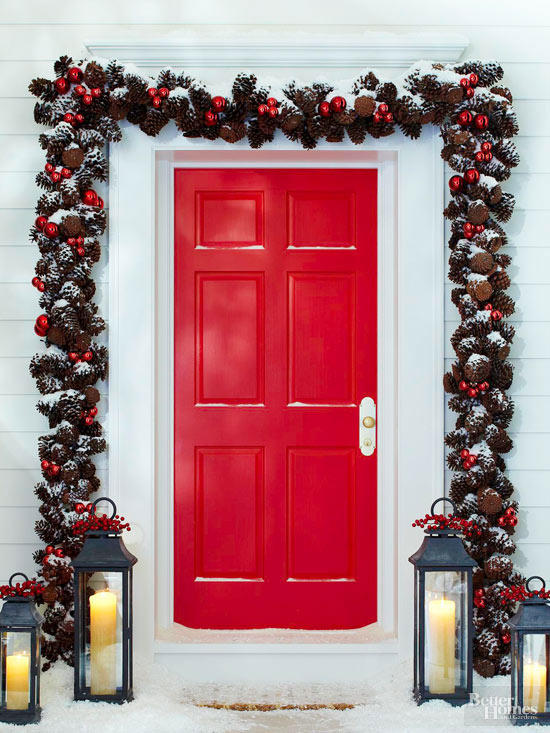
point(34, 33)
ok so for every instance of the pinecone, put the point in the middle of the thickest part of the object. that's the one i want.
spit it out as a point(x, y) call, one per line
point(498, 568)
point(482, 262)
point(480, 289)
point(72, 157)
point(72, 226)
point(500, 280)
point(477, 368)
point(94, 76)
point(478, 212)
point(484, 667)
point(364, 105)
point(489, 501)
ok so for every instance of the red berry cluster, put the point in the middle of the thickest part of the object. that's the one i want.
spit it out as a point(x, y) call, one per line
point(55, 175)
point(78, 244)
point(88, 415)
point(90, 198)
point(468, 83)
point(518, 593)
point(496, 315)
point(484, 155)
point(440, 521)
point(51, 550)
point(473, 388)
point(479, 598)
point(336, 104)
point(80, 508)
point(157, 95)
point(470, 229)
point(49, 228)
point(50, 469)
point(383, 113)
point(509, 518)
point(270, 108)
point(74, 76)
point(104, 523)
point(38, 284)
point(469, 460)
point(465, 119)
point(41, 325)
point(28, 589)
point(73, 119)
point(86, 356)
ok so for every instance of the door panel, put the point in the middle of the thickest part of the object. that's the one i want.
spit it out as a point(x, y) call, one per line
point(275, 346)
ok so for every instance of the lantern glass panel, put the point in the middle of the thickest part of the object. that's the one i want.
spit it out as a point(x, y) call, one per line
point(103, 624)
point(445, 636)
point(535, 672)
point(16, 669)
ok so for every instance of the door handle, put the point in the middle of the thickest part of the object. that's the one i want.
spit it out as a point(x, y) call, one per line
point(367, 426)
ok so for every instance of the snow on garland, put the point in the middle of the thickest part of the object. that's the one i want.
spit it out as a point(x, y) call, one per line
point(82, 107)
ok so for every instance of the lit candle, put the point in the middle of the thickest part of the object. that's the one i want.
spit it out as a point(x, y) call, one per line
point(534, 686)
point(441, 614)
point(103, 643)
point(17, 681)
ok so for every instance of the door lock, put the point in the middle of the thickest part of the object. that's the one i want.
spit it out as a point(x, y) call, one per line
point(367, 426)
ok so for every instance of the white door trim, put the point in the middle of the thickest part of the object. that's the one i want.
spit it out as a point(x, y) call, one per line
point(410, 399)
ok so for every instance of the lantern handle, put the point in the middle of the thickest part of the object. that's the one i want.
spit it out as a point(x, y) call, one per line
point(15, 576)
point(443, 498)
point(534, 577)
point(109, 501)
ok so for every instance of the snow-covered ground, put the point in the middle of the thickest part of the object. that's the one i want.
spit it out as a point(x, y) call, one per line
point(165, 704)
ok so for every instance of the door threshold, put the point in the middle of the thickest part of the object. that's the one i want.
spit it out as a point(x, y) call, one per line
point(178, 634)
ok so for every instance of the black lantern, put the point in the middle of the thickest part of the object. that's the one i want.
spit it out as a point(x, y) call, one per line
point(20, 629)
point(530, 632)
point(443, 619)
point(103, 613)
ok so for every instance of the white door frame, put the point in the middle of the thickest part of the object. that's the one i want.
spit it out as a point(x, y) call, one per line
point(410, 398)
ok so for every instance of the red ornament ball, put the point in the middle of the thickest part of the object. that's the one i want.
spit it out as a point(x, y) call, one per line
point(79, 119)
point(465, 118)
point(66, 172)
point(471, 175)
point(73, 356)
point(157, 101)
point(152, 92)
point(480, 228)
point(51, 230)
point(272, 102)
point(93, 411)
point(39, 331)
point(456, 183)
point(80, 90)
point(338, 104)
point(68, 117)
point(496, 315)
point(44, 465)
point(324, 109)
point(464, 453)
point(87, 99)
point(487, 157)
point(210, 118)
point(54, 469)
point(388, 117)
point(35, 281)
point(74, 74)
point(218, 103)
point(383, 108)
point(58, 552)
point(472, 392)
point(62, 85)
point(79, 507)
point(474, 78)
point(87, 356)
point(56, 177)
point(80, 251)
point(40, 222)
point(164, 92)
point(513, 521)
point(262, 109)
point(470, 92)
point(479, 592)
point(463, 386)
point(49, 549)
point(486, 146)
point(479, 156)
point(488, 307)
point(80, 240)
point(481, 122)
point(89, 197)
point(484, 386)
point(506, 638)
point(377, 116)
point(89, 420)
point(273, 112)
point(49, 168)
point(464, 83)
point(96, 92)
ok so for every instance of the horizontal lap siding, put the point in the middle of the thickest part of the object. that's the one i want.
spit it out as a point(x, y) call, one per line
point(30, 39)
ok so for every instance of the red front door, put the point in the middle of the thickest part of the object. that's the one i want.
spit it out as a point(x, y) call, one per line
point(275, 346)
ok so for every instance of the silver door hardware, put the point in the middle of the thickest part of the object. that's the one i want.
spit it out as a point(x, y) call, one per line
point(367, 426)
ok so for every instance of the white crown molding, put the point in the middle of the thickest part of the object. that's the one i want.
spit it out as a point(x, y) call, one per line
point(366, 50)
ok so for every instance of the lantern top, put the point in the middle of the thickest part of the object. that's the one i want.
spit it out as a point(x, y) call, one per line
point(20, 610)
point(533, 614)
point(103, 547)
point(443, 547)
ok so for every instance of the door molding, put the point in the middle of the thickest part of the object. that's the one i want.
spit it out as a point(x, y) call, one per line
point(410, 301)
